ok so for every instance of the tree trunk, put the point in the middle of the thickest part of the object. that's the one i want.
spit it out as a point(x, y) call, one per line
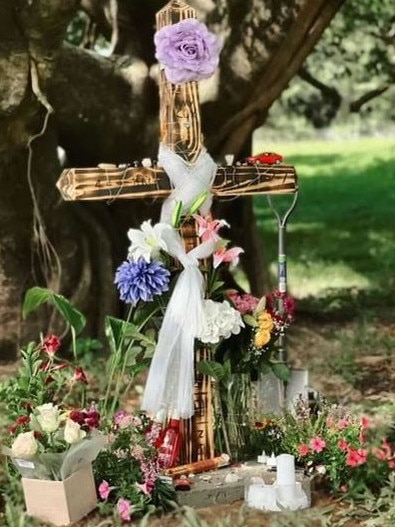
point(106, 110)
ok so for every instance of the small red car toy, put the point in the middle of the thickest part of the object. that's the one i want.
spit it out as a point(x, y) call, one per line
point(265, 158)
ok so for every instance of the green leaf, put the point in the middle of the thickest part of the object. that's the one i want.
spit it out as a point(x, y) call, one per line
point(74, 317)
point(227, 369)
point(113, 328)
point(281, 370)
point(216, 285)
point(176, 214)
point(198, 202)
point(39, 295)
point(211, 368)
point(34, 298)
point(250, 320)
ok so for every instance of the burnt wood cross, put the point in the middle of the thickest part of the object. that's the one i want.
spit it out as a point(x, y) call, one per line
point(180, 129)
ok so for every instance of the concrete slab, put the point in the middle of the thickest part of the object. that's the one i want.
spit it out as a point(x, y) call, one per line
point(224, 485)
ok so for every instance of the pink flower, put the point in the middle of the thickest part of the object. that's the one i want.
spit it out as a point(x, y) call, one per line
point(330, 421)
point(138, 452)
point(317, 444)
point(244, 303)
point(124, 509)
point(104, 489)
point(222, 255)
point(356, 457)
point(364, 422)
point(303, 449)
point(51, 344)
point(378, 453)
point(124, 419)
point(344, 488)
point(386, 447)
point(342, 444)
point(384, 452)
point(343, 423)
point(208, 229)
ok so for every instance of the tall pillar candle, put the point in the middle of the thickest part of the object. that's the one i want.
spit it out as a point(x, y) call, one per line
point(286, 469)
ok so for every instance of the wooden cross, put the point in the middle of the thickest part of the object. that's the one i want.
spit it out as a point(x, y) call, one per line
point(180, 129)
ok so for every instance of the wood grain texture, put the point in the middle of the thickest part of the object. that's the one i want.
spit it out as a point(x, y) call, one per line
point(142, 183)
point(180, 123)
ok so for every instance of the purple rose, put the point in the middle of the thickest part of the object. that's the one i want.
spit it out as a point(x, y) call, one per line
point(187, 50)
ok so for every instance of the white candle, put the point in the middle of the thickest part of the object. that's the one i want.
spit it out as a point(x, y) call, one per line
point(270, 498)
point(256, 495)
point(286, 469)
point(271, 461)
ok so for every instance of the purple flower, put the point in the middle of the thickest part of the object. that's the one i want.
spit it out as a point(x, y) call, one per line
point(141, 280)
point(187, 50)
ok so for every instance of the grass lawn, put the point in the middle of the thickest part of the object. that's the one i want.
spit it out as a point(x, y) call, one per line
point(342, 232)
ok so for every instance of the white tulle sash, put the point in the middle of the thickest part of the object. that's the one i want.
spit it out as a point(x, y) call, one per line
point(169, 386)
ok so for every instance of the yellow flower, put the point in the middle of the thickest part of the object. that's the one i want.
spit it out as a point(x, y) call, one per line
point(265, 321)
point(261, 338)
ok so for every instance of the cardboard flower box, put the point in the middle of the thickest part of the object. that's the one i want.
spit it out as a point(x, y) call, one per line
point(61, 502)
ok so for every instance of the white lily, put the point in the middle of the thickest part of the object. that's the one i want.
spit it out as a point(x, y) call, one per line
point(147, 242)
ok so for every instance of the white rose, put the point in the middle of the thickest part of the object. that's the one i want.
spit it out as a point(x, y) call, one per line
point(321, 469)
point(73, 432)
point(48, 417)
point(25, 446)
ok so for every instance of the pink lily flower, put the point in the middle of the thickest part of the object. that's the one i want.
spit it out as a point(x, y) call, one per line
point(223, 255)
point(208, 230)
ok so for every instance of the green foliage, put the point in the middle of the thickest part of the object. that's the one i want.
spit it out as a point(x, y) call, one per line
point(339, 237)
point(41, 379)
point(352, 58)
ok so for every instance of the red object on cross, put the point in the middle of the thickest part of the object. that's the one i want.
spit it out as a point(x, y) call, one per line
point(265, 158)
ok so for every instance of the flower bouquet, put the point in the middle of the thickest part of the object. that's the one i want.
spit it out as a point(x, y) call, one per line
point(53, 450)
point(51, 443)
point(336, 447)
point(128, 471)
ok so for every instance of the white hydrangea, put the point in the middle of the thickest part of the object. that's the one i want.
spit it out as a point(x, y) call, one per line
point(221, 320)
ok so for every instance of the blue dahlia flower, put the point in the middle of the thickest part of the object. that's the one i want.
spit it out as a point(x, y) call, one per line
point(141, 280)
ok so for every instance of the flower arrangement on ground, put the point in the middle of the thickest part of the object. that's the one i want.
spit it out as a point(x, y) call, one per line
point(333, 445)
point(128, 472)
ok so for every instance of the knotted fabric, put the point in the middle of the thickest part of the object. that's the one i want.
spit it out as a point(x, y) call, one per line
point(170, 382)
point(189, 180)
point(169, 386)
